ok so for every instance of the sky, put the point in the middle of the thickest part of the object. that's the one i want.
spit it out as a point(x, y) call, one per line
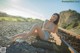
point(41, 9)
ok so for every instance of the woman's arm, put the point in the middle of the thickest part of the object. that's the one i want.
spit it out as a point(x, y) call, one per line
point(56, 36)
point(55, 28)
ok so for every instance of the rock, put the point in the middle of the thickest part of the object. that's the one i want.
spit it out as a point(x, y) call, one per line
point(35, 45)
point(2, 49)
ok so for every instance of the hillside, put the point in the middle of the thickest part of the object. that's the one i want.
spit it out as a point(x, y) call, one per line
point(70, 19)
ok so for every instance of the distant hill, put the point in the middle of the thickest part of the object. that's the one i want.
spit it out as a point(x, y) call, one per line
point(2, 14)
point(6, 17)
point(70, 19)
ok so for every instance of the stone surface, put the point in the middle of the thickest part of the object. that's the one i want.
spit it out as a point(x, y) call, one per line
point(35, 45)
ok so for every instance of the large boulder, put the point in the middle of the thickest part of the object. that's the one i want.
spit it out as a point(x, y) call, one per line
point(36, 45)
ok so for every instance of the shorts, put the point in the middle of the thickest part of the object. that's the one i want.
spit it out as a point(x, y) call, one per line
point(46, 35)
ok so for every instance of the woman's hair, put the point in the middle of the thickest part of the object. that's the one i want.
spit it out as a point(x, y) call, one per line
point(56, 22)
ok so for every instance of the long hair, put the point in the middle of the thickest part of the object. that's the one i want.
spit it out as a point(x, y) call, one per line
point(58, 16)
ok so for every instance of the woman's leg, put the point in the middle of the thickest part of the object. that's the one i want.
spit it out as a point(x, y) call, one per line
point(39, 31)
point(22, 35)
point(31, 32)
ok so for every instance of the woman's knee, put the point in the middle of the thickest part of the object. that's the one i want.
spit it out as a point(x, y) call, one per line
point(36, 25)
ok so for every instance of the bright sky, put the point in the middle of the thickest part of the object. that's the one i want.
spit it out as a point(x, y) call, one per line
point(42, 9)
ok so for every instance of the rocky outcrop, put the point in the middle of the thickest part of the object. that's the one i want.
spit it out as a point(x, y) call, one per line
point(31, 44)
point(36, 45)
point(69, 16)
point(73, 40)
point(70, 19)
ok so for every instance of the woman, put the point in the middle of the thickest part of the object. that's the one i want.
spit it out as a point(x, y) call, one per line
point(49, 28)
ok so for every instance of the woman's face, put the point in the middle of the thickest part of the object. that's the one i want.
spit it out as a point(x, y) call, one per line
point(53, 18)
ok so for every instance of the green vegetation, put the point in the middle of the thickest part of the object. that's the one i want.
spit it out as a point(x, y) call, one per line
point(6, 17)
point(70, 19)
point(10, 19)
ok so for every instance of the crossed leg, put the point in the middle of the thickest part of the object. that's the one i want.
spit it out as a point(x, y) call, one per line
point(31, 32)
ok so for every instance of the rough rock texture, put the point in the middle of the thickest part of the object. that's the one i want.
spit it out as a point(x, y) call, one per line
point(36, 45)
point(71, 39)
